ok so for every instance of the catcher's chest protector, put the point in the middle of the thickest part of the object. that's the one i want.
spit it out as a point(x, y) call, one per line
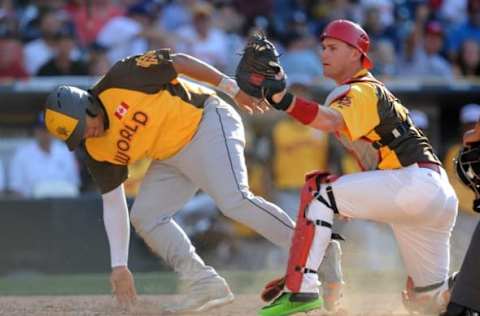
point(304, 231)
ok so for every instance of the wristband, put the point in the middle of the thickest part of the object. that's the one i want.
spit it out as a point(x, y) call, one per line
point(229, 86)
point(304, 111)
point(283, 104)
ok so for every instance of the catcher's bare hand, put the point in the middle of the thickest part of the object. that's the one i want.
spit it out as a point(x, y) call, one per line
point(250, 104)
point(123, 286)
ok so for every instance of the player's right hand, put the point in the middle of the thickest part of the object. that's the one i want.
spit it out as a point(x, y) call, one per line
point(123, 286)
point(250, 104)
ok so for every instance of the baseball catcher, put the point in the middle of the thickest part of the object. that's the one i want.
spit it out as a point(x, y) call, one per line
point(403, 183)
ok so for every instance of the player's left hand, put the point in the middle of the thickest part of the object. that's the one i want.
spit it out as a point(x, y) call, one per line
point(123, 286)
point(251, 104)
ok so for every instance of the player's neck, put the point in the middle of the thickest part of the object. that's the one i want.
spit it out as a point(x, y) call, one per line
point(348, 74)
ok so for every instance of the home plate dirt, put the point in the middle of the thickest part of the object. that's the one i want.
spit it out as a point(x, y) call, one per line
point(245, 305)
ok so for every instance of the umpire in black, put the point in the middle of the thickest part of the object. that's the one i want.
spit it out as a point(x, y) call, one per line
point(465, 298)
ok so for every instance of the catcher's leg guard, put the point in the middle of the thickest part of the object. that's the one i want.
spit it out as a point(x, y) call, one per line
point(305, 231)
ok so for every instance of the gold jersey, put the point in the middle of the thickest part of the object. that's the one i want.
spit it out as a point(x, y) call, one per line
point(378, 130)
point(150, 113)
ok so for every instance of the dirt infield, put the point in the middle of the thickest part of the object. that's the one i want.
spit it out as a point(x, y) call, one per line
point(245, 305)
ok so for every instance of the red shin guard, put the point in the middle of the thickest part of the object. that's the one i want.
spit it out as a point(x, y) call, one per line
point(304, 233)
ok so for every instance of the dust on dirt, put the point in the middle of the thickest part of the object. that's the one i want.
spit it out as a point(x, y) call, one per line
point(244, 305)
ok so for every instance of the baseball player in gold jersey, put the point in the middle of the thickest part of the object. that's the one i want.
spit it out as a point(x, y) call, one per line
point(402, 184)
point(141, 108)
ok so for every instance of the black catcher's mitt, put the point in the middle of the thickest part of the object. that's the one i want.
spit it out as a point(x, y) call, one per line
point(257, 68)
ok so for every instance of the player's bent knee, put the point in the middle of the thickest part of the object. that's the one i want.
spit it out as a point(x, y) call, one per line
point(232, 205)
point(319, 211)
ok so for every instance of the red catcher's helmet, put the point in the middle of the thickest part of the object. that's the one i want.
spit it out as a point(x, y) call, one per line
point(352, 34)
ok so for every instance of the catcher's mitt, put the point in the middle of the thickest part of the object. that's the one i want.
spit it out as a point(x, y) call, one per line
point(259, 73)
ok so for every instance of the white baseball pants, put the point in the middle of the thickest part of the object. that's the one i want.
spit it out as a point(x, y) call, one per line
point(418, 203)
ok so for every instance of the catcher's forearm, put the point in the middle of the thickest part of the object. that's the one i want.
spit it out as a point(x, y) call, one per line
point(313, 114)
point(117, 225)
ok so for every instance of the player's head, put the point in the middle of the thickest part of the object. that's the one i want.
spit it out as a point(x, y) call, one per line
point(345, 44)
point(69, 112)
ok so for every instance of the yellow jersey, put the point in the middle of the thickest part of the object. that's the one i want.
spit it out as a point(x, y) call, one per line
point(150, 113)
point(379, 131)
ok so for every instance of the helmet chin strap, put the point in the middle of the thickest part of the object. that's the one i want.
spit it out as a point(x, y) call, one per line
point(93, 108)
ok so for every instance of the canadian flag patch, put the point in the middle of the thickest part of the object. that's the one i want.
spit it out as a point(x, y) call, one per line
point(121, 110)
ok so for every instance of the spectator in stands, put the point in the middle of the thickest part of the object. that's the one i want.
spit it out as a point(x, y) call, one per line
point(63, 62)
point(98, 62)
point(231, 22)
point(468, 60)
point(422, 57)
point(39, 51)
point(130, 34)
point(325, 11)
point(89, 17)
point(11, 61)
point(383, 37)
point(376, 28)
point(384, 10)
point(253, 9)
point(453, 11)
point(43, 168)
point(469, 115)
point(383, 53)
point(300, 57)
point(470, 30)
point(202, 39)
point(176, 14)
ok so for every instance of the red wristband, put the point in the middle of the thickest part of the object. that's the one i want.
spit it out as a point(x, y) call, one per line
point(304, 111)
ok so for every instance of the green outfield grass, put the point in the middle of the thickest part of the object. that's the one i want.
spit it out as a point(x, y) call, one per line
point(146, 283)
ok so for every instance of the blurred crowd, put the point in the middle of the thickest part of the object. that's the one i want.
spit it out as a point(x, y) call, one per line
point(438, 39)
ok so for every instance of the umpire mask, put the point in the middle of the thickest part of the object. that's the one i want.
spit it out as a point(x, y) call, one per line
point(468, 169)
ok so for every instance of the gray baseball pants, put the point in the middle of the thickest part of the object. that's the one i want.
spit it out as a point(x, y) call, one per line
point(214, 162)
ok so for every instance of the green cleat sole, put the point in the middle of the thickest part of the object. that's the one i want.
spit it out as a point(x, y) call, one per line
point(282, 306)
